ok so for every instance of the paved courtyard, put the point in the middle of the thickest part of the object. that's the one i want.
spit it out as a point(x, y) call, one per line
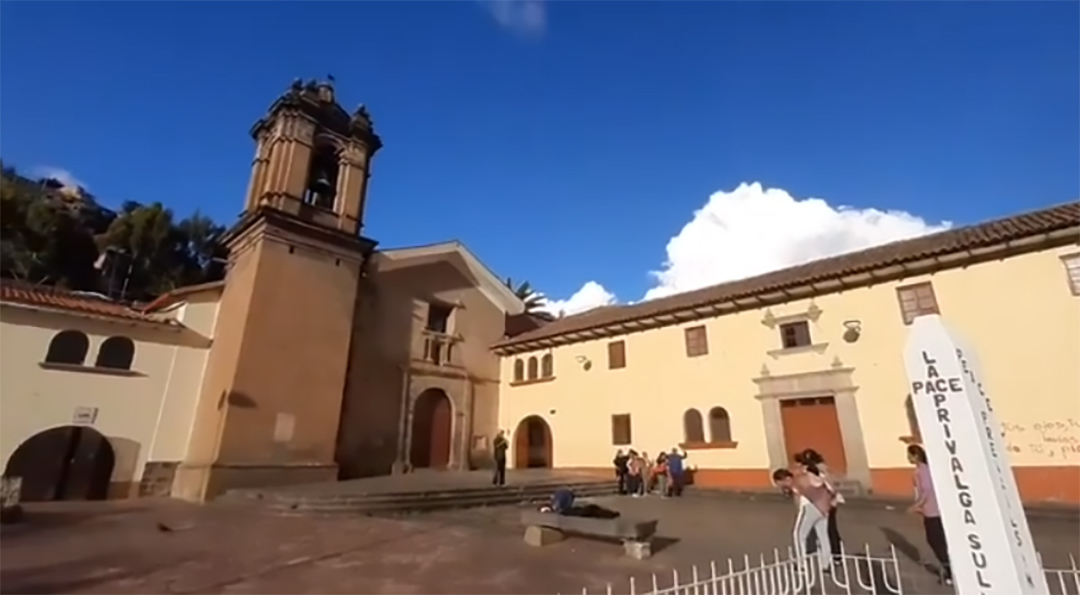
point(169, 547)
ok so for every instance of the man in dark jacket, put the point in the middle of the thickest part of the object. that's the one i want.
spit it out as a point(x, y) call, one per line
point(622, 470)
point(499, 448)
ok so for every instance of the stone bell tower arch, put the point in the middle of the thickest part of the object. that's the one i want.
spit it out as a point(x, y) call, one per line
point(270, 402)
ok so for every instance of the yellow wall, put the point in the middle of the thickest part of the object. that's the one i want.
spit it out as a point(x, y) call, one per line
point(145, 415)
point(1018, 314)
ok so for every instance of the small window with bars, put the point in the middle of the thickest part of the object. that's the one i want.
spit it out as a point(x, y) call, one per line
point(917, 300)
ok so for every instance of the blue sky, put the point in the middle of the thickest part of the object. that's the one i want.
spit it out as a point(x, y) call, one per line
point(569, 142)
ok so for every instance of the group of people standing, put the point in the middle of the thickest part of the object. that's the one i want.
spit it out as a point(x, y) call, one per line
point(817, 499)
point(638, 475)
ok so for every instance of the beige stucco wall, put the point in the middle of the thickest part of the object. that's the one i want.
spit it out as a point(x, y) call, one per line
point(1018, 314)
point(387, 364)
point(145, 415)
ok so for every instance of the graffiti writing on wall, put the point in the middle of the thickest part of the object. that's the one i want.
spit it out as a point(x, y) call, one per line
point(1057, 439)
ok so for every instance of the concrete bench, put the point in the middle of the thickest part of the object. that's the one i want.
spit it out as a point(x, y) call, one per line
point(544, 528)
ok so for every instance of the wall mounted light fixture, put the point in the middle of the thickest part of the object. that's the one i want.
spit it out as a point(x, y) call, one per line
point(852, 330)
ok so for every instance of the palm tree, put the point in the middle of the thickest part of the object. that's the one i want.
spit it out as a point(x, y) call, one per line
point(533, 300)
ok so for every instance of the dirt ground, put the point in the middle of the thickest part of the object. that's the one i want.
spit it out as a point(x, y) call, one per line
point(161, 546)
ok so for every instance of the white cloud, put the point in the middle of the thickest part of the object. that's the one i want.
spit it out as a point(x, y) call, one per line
point(591, 295)
point(522, 17)
point(753, 230)
point(59, 174)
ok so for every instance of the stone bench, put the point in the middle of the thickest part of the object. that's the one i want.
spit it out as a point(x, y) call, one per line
point(544, 528)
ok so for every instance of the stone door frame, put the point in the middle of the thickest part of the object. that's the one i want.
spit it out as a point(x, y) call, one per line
point(457, 420)
point(836, 383)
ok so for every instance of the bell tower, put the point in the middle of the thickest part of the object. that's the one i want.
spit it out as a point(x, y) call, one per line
point(312, 158)
point(270, 400)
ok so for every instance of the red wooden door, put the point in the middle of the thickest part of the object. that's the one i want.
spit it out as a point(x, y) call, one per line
point(812, 423)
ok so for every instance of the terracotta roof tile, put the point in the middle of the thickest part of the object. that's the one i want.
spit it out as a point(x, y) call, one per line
point(72, 301)
point(1031, 224)
point(174, 296)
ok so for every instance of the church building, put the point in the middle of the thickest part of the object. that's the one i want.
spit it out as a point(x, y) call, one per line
point(322, 357)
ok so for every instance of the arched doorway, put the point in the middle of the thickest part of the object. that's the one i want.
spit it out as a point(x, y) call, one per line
point(65, 463)
point(532, 444)
point(432, 425)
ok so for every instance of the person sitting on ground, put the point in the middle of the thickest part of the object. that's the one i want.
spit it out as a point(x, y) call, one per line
point(563, 503)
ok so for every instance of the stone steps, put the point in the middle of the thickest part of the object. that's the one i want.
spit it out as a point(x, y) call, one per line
point(292, 502)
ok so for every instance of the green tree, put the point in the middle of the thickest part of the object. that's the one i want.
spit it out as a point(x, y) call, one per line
point(54, 235)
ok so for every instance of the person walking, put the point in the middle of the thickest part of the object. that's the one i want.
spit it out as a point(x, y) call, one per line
point(815, 498)
point(498, 448)
point(812, 462)
point(926, 505)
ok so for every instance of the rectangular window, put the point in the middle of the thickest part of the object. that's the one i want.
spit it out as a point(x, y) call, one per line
point(795, 334)
point(697, 341)
point(616, 355)
point(438, 318)
point(1072, 269)
point(917, 300)
point(620, 429)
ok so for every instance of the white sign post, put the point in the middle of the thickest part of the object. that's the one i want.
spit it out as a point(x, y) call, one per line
point(990, 545)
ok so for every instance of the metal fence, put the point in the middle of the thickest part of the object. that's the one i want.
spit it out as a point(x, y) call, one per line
point(786, 574)
point(1064, 581)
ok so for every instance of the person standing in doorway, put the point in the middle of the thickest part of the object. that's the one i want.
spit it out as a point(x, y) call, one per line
point(498, 449)
point(926, 505)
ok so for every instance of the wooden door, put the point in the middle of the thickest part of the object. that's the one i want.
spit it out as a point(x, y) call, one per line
point(431, 430)
point(89, 468)
point(441, 425)
point(812, 423)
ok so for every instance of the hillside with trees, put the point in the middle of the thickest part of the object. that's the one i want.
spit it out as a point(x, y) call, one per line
point(62, 236)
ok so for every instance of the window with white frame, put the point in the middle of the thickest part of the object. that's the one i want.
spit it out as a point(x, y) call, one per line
point(1072, 269)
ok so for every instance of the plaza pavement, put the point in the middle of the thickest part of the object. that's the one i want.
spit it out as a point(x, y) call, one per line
point(161, 546)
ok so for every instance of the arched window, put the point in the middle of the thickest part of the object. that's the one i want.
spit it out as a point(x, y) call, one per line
point(693, 429)
point(116, 353)
point(534, 368)
point(519, 370)
point(68, 347)
point(547, 366)
point(719, 425)
point(322, 180)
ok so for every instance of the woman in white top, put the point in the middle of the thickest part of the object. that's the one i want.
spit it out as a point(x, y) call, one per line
point(814, 463)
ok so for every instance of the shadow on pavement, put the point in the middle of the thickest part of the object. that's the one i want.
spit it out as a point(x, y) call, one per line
point(908, 550)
